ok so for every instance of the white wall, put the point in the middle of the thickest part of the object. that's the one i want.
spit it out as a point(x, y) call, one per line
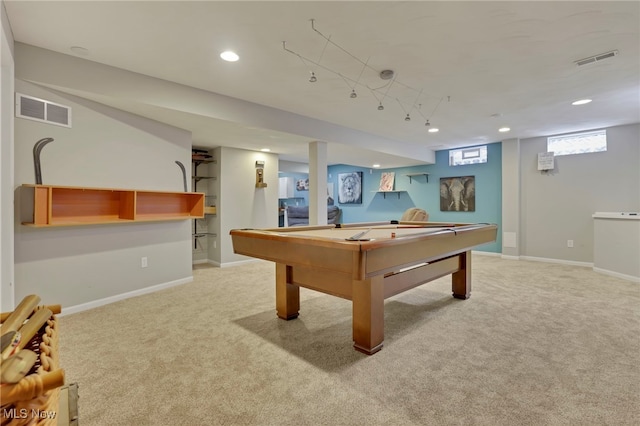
point(114, 83)
point(6, 163)
point(557, 206)
point(241, 204)
point(105, 148)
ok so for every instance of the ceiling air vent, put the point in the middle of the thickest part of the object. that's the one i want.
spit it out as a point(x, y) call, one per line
point(596, 58)
point(44, 111)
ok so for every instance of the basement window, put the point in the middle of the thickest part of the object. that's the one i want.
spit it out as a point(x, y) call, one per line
point(464, 156)
point(578, 143)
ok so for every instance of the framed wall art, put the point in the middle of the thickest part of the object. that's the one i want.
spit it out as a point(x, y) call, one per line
point(386, 181)
point(458, 194)
point(302, 184)
point(350, 188)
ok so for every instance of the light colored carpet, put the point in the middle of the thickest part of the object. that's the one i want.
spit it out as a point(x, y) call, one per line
point(536, 344)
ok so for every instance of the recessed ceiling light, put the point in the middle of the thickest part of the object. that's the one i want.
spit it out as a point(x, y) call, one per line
point(434, 130)
point(229, 56)
point(504, 129)
point(375, 166)
point(581, 102)
point(265, 150)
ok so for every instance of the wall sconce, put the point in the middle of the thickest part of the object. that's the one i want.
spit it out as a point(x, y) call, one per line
point(260, 175)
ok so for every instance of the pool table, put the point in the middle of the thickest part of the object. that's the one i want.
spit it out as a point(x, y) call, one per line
point(365, 263)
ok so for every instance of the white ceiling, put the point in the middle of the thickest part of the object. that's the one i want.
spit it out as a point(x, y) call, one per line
point(468, 67)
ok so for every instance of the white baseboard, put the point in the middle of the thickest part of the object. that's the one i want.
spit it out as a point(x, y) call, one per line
point(617, 275)
point(123, 296)
point(561, 261)
point(536, 259)
point(228, 264)
point(506, 257)
point(539, 259)
point(241, 262)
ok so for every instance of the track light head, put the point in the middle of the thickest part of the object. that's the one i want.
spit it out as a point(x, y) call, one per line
point(407, 118)
point(380, 107)
point(353, 94)
point(427, 123)
point(313, 78)
point(386, 74)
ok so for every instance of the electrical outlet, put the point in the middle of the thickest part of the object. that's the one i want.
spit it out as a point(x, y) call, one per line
point(570, 243)
point(143, 262)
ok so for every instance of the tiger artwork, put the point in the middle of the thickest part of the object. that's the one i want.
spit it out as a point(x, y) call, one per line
point(350, 188)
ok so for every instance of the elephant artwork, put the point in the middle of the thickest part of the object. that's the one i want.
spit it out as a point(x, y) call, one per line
point(458, 194)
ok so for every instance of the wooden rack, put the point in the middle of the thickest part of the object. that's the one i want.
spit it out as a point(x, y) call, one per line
point(47, 205)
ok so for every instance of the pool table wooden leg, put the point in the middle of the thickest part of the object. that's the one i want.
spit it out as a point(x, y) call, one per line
point(368, 314)
point(287, 294)
point(461, 280)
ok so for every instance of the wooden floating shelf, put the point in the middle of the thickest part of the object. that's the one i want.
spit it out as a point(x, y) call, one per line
point(47, 205)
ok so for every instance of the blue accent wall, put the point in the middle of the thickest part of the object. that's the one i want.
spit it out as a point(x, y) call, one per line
point(426, 195)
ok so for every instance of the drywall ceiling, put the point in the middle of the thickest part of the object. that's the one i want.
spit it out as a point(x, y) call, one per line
point(467, 67)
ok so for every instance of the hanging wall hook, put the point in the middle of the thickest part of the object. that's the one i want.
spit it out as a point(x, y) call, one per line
point(36, 157)
point(184, 175)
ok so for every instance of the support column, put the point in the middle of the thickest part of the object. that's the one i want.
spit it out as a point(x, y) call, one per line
point(511, 235)
point(317, 183)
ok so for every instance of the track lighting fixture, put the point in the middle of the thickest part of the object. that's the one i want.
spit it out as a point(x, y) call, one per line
point(364, 79)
